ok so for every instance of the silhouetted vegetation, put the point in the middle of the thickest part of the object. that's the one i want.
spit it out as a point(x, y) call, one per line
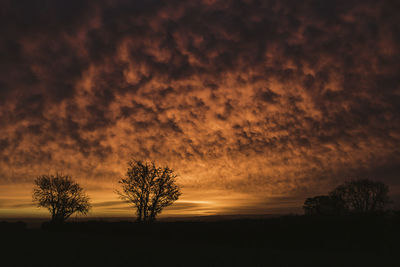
point(366, 236)
point(353, 240)
point(362, 196)
point(61, 196)
point(358, 196)
point(323, 205)
point(149, 189)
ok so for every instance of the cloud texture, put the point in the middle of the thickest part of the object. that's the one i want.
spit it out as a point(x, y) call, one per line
point(255, 104)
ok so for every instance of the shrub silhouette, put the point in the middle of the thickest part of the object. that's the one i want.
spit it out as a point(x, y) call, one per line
point(324, 205)
point(362, 196)
point(149, 188)
point(61, 196)
point(357, 196)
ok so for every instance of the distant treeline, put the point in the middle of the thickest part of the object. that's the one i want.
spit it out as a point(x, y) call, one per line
point(353, 197)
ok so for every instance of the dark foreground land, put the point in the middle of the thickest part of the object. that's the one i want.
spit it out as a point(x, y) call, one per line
point(283, 241)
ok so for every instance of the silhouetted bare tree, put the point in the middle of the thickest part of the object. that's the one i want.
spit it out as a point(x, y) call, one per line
point(149, 188)
point(61, 196)
point(362, 196)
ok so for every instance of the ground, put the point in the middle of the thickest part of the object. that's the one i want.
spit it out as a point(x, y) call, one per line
point(285, 241)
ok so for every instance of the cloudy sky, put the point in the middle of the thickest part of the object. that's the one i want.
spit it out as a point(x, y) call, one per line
point(256, 105)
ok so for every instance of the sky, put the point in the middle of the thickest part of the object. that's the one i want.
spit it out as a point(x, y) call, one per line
point(256, 105)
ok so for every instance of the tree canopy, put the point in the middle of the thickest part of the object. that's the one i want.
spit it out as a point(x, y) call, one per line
point(362, 196)
point(61, 196)
point(356, 196)
point(149, 188)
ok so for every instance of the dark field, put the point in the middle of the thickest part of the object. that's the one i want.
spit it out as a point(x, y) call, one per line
point(283, 241)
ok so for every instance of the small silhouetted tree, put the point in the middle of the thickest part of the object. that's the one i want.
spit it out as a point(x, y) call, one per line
point(323, 205)
point(362, 196)
point(149, 189)
point(61, 196)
